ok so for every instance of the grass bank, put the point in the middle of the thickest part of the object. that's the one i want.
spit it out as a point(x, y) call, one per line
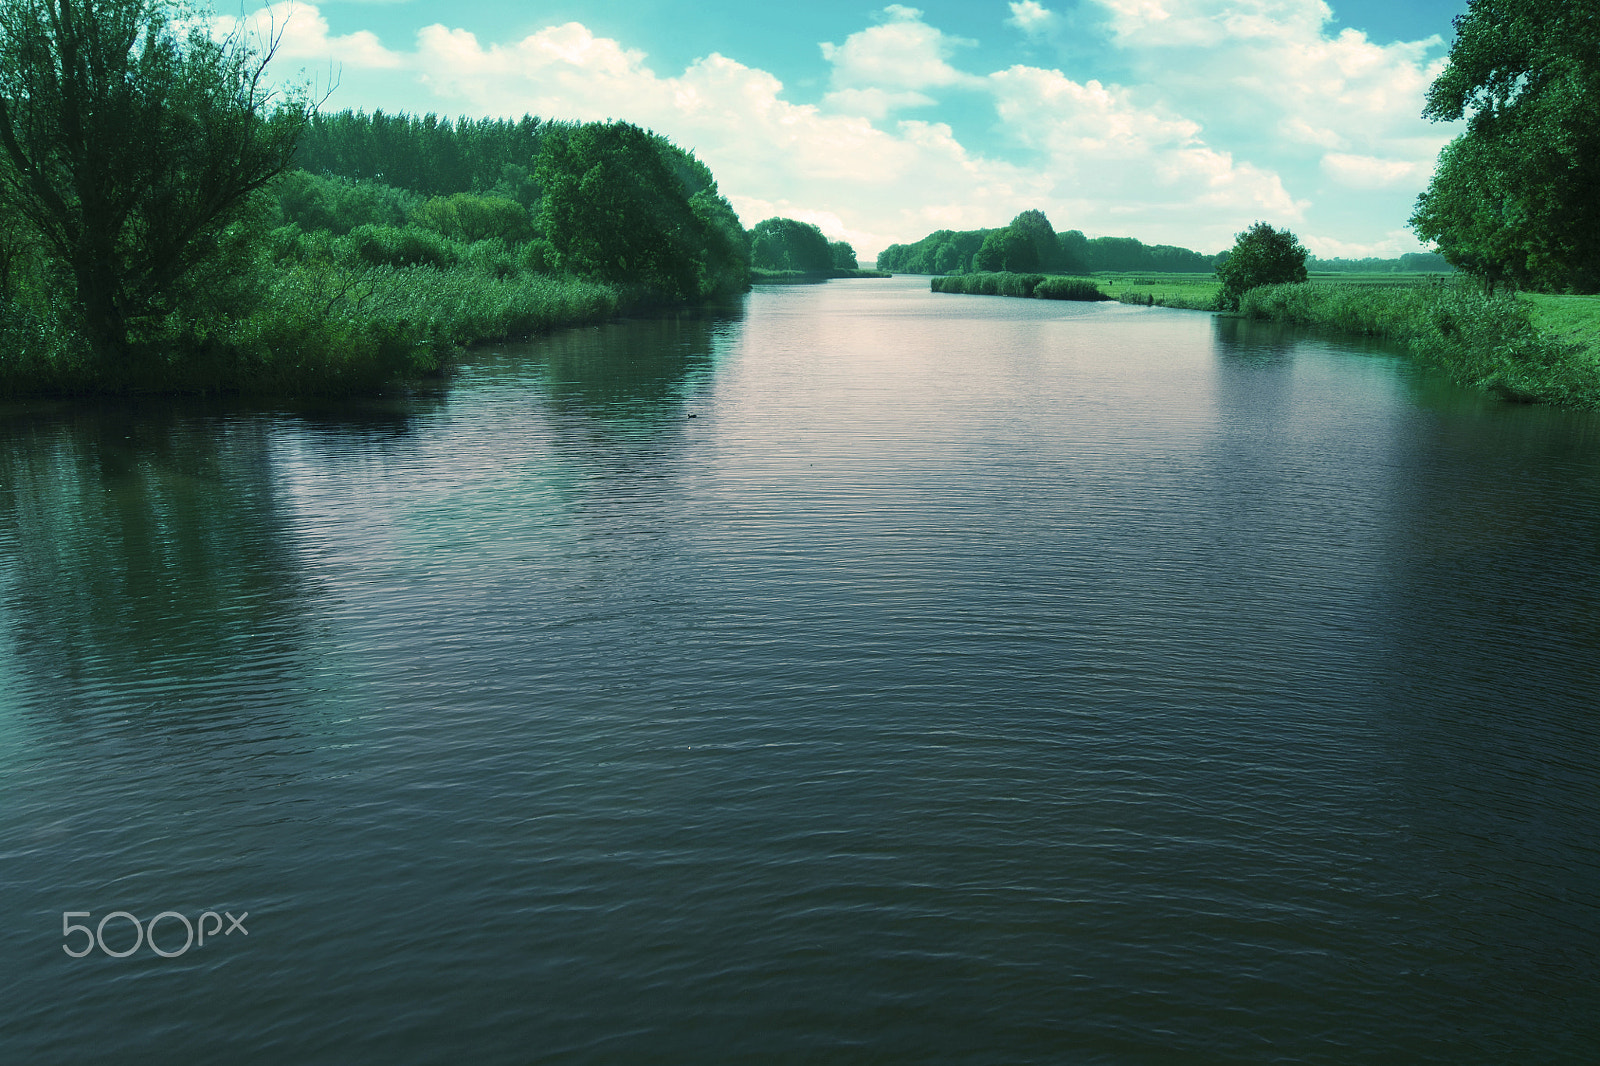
point(320, 325)
point(1034, 286)
point(1529, 348)
point(759, 276)
point(1534, 350)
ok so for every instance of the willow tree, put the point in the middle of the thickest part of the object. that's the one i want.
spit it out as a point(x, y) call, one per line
point(132, 138)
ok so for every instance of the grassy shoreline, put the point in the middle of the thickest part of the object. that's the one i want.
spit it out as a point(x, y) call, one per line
point(1526, 348)
point(759, 276)
point(320, 327)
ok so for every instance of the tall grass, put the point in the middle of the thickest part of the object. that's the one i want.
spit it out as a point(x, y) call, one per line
point(1059, 288)
point(1002, 283)
point(1489, 342)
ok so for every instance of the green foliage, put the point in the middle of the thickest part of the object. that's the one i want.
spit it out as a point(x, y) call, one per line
point(1059, 288)
point(1260, 256)
point(1119, 254)
point(428, 154)
point(1002, 283)
point(336, 281)
point(941, 252)
point(1480, 340)
point(1009, 250)
point(1070, 252)
point(399, 246)
point(989, 284)
point(617, 208)
point(1035, 228)
point(339, 205)
point(1512, 199)
point(132, 141)
point(788, 245)
point(475, 217)
point(844, 256)
point(1410, 263)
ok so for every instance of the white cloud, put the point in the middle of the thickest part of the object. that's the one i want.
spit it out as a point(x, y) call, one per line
point(874, 103)
point(903, 53)
point(861, 183)
point(1392, 244)
point(1116, 165)
point(1031, 17)
point(1273, 65)
point(1370, 172)
point(302, 35)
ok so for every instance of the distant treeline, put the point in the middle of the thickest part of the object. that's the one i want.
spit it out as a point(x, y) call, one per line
point(1410, 263)
point(1030, 244)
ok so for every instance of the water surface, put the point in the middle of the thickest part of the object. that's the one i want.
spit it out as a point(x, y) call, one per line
point(859, 674)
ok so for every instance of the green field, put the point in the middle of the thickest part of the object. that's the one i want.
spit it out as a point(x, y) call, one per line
point(1572, 319)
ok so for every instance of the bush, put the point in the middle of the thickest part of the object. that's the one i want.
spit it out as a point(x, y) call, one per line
point(1260, 256)
point(395, 246)
point(1069, 289)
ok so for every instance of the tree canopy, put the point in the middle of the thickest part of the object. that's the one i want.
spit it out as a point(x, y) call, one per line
point(785, 244)
point(1260, 256)
point(129, 144)
point(1067, 252)
point(620, 204)
point(1513, 198)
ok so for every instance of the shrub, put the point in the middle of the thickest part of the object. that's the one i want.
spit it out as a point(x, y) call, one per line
point(1069, 289)
point(1260, 256)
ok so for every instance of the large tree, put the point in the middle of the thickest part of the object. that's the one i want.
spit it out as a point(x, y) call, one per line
point(1514, 196)
point(130, 140)
point(625, 205)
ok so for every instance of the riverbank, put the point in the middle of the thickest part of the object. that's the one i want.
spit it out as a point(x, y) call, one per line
point(317, 327)
point(759, 276)
point(1506, 344)
point(1528, 348)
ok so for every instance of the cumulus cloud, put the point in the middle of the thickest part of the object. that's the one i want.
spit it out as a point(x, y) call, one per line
point(302, 35)
point(1115, 163)
point(902, 53)
point(1031, 17)
point(1274, 65)
point(861, 183)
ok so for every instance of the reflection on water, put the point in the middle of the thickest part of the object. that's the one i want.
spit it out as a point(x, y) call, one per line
point(146, 553)
point(861, 674)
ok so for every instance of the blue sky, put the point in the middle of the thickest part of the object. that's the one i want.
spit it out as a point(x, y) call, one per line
point(1174, 121)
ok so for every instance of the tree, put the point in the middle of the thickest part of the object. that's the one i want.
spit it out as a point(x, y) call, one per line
point(130, 145)
point(1260, 255)
point(785, 244)
point(844, 256)
point(1513, 197)
point(1037, 229)
point(1073, 255)
point(1007, 249)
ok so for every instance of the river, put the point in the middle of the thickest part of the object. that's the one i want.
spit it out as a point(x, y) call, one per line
point(855, 674)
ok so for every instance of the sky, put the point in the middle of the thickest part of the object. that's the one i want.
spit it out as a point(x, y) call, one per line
point(1173, 121)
